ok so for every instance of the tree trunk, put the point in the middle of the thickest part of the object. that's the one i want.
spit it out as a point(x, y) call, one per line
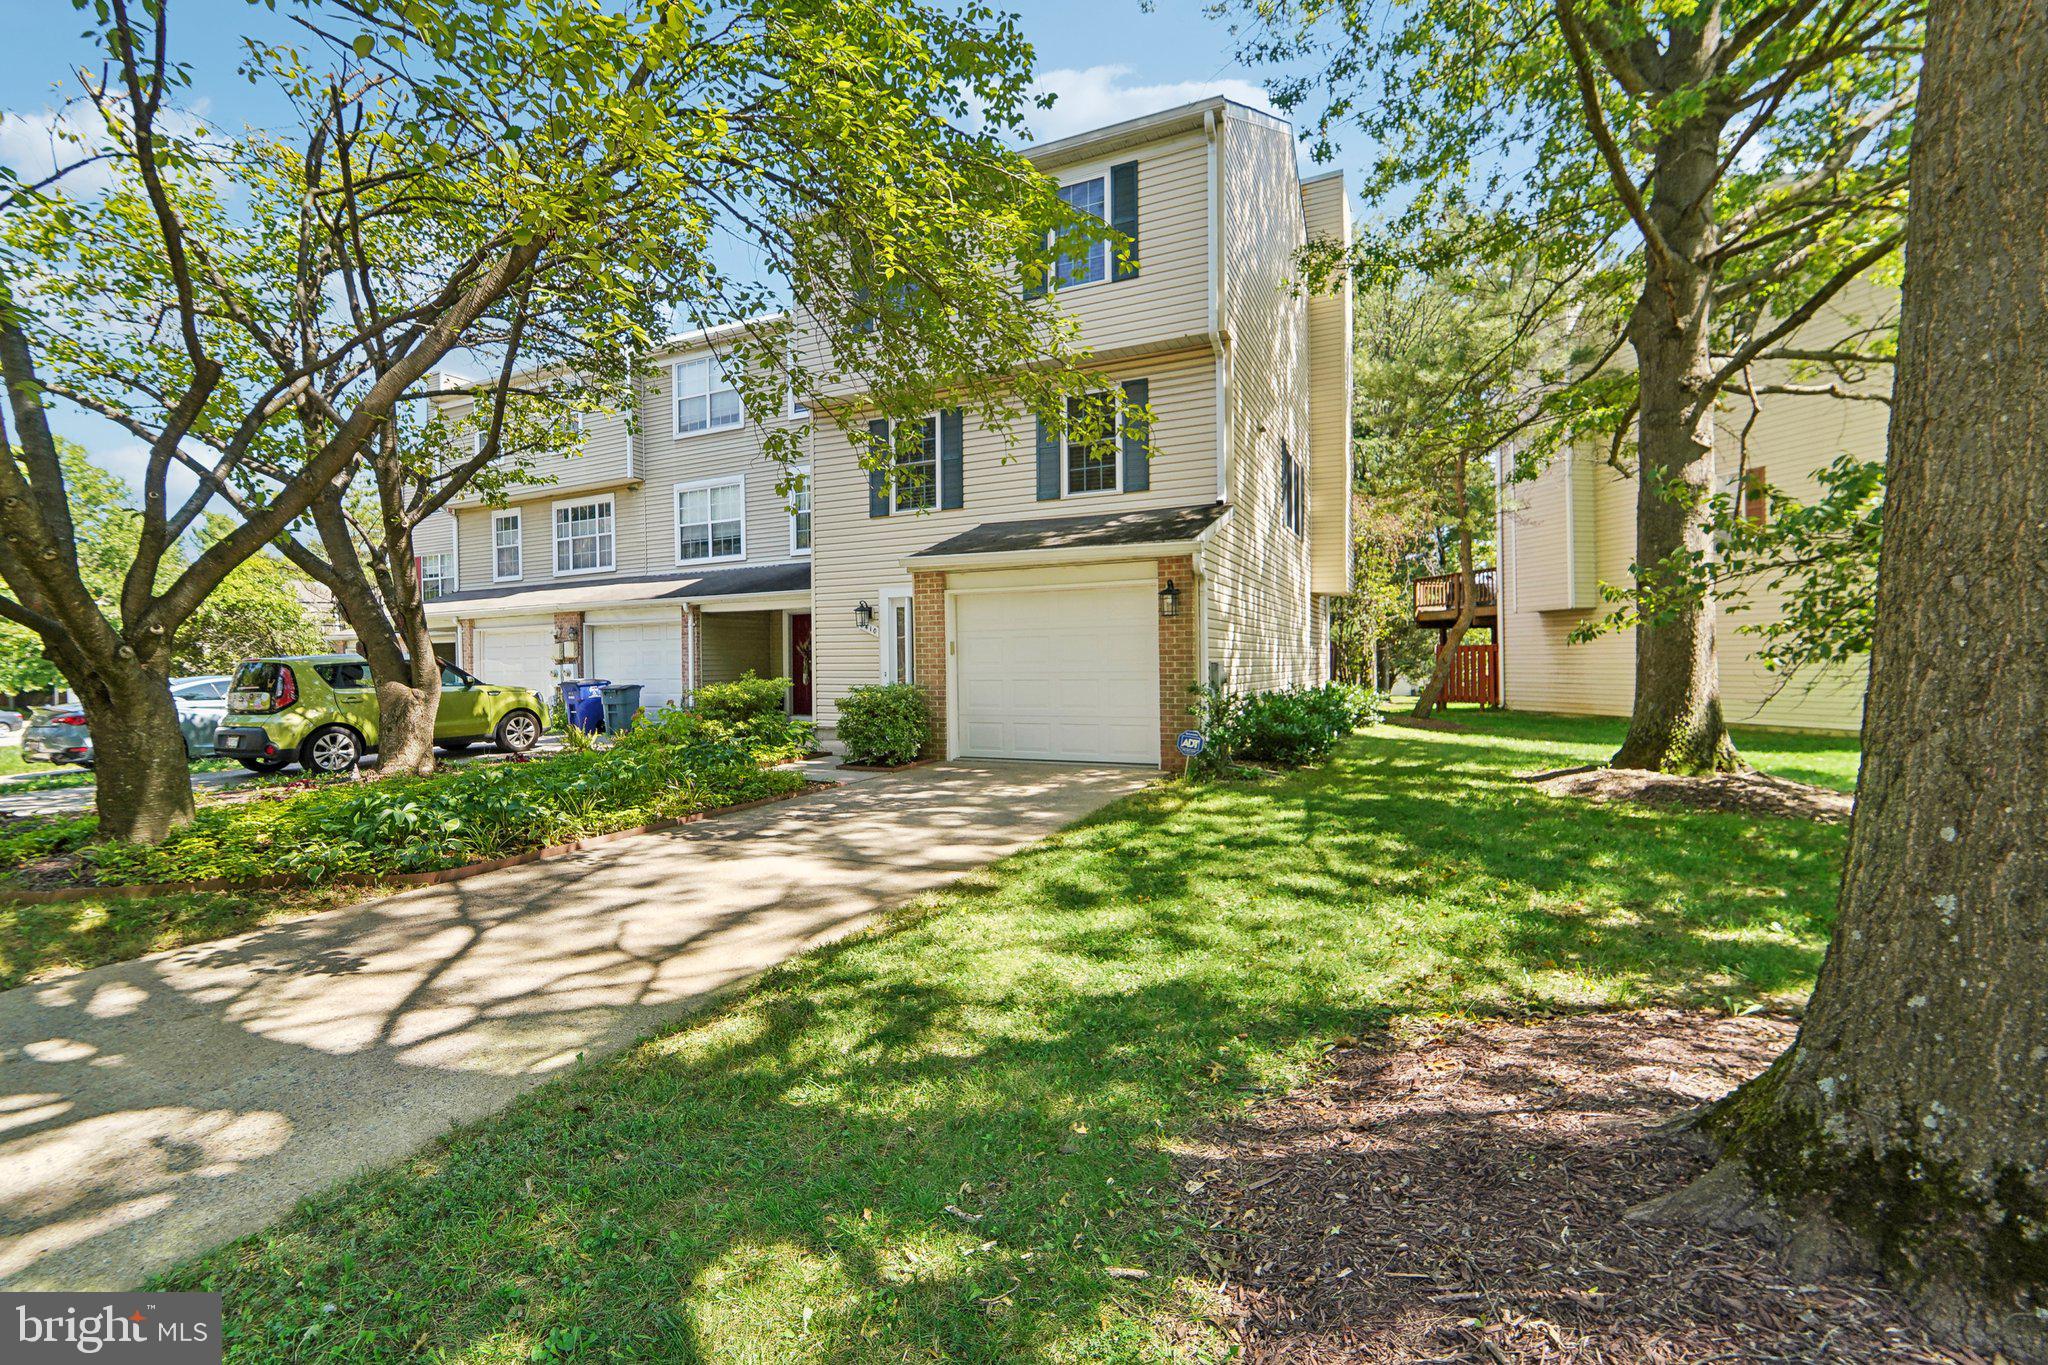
point(406, 709)
point(143, 779)
point(1676, 723)
point(1909, 1121)
point(1431, 696)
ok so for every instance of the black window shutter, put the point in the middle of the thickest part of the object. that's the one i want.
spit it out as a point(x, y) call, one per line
point(1048, 462)
point(1137, 438)
point(952, 459)
point(878, 480)
point(1123, 215)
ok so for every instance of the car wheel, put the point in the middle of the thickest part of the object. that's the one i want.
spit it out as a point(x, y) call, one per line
point(518, 732)
point(265, 765)
point(331, 749)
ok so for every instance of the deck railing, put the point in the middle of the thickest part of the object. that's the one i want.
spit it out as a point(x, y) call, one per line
point(1443, 593)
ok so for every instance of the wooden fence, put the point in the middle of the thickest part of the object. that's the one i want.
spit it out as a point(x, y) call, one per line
point(1475, 675)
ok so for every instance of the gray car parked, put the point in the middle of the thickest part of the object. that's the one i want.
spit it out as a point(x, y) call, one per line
point(58, 734)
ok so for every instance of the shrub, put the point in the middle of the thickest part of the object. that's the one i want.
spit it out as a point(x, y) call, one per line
point(1288, 727)
point(747, 712)
point(884, 724)
point(746, 699)
point(477, 811)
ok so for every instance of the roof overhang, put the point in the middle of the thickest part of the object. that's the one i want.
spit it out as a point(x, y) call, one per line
point(1150, 533)
point(747, 588)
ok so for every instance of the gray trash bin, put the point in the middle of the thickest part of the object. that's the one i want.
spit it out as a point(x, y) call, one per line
point(621, 700)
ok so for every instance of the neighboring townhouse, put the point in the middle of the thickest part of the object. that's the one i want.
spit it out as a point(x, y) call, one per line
point(660, 554)
point(1572, 528)
point(1055, 596)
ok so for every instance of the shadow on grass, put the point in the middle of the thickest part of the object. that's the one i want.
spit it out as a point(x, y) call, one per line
point(937, 1142)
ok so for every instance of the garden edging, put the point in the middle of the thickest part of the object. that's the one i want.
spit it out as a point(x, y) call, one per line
point(439, 876)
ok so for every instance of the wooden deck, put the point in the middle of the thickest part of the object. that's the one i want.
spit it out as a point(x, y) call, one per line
point(1439, 598)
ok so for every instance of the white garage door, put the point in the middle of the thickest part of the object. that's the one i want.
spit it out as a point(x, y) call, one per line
point(649, 653)
point(519, 656)
point(1070, 673)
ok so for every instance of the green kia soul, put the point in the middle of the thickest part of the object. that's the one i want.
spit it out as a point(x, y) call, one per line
point(321, 710)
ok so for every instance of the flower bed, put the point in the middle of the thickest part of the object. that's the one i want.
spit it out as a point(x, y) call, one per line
point(418, 824)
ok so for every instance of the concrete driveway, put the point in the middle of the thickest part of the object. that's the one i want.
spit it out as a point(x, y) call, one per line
point(154, 1109)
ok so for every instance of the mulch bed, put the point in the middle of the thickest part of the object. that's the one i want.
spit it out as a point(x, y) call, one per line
point(1749, 793)
point(1461, 1198)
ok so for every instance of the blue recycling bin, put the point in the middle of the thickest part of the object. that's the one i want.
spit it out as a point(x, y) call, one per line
point(621, 701)
point(583, 699)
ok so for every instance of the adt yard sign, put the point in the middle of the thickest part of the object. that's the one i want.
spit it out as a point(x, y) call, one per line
point(1191, 742)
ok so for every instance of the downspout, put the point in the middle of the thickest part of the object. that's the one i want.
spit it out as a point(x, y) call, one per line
point(632, 409)
point(1218, 341)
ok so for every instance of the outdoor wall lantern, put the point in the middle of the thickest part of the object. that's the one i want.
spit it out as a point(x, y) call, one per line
point(1169, 599)
point(864, 616)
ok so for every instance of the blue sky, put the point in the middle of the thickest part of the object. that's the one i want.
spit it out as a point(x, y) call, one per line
point(1106, 60)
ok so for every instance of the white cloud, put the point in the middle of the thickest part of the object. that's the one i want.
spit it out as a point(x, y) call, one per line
point(1096, 97)
point(35, 144)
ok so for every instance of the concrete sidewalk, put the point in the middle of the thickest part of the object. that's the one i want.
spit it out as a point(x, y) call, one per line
point(154, 1109)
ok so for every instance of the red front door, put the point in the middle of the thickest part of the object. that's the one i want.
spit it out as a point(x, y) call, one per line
point(800, 664)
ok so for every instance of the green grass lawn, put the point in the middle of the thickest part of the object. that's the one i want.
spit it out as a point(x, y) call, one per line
point(771, 1181)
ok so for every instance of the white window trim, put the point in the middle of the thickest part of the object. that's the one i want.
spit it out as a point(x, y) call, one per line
point(555, 540)
point(675, 517)
point(938, 501)
point(1116, 457)
point(1098, 172)
point(890, 600)
point(511, 515)
point(454, 572)
point(810, 494)
point(676, 396)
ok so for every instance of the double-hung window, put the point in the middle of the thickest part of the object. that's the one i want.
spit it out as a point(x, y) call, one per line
point(437, 575)
point(711, 520)
point(1082, 262)
point(705, 399)
point(800, 515)
point(506, 563)
point(916, 482)
point(1091, 455)
point(583, 535)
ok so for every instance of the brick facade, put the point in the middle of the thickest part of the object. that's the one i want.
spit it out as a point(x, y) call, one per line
point(693, 641)
point(1178, 667)
point(928, 645)
point(569, 631)
point(465, 644)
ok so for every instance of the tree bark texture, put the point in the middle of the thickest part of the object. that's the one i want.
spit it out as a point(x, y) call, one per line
point(1676, 723)
point(1432, 695)
point(143, 779)
point(1909, 1120)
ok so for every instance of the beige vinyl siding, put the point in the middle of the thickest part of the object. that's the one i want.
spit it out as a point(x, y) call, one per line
point(736, 643)
point(643, 512)
point(1792, 439)
point(435, 535)
point(860, 558)
point(667, 461)
point(1169, 298)
point(1327, 216)
point(1257, 586)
